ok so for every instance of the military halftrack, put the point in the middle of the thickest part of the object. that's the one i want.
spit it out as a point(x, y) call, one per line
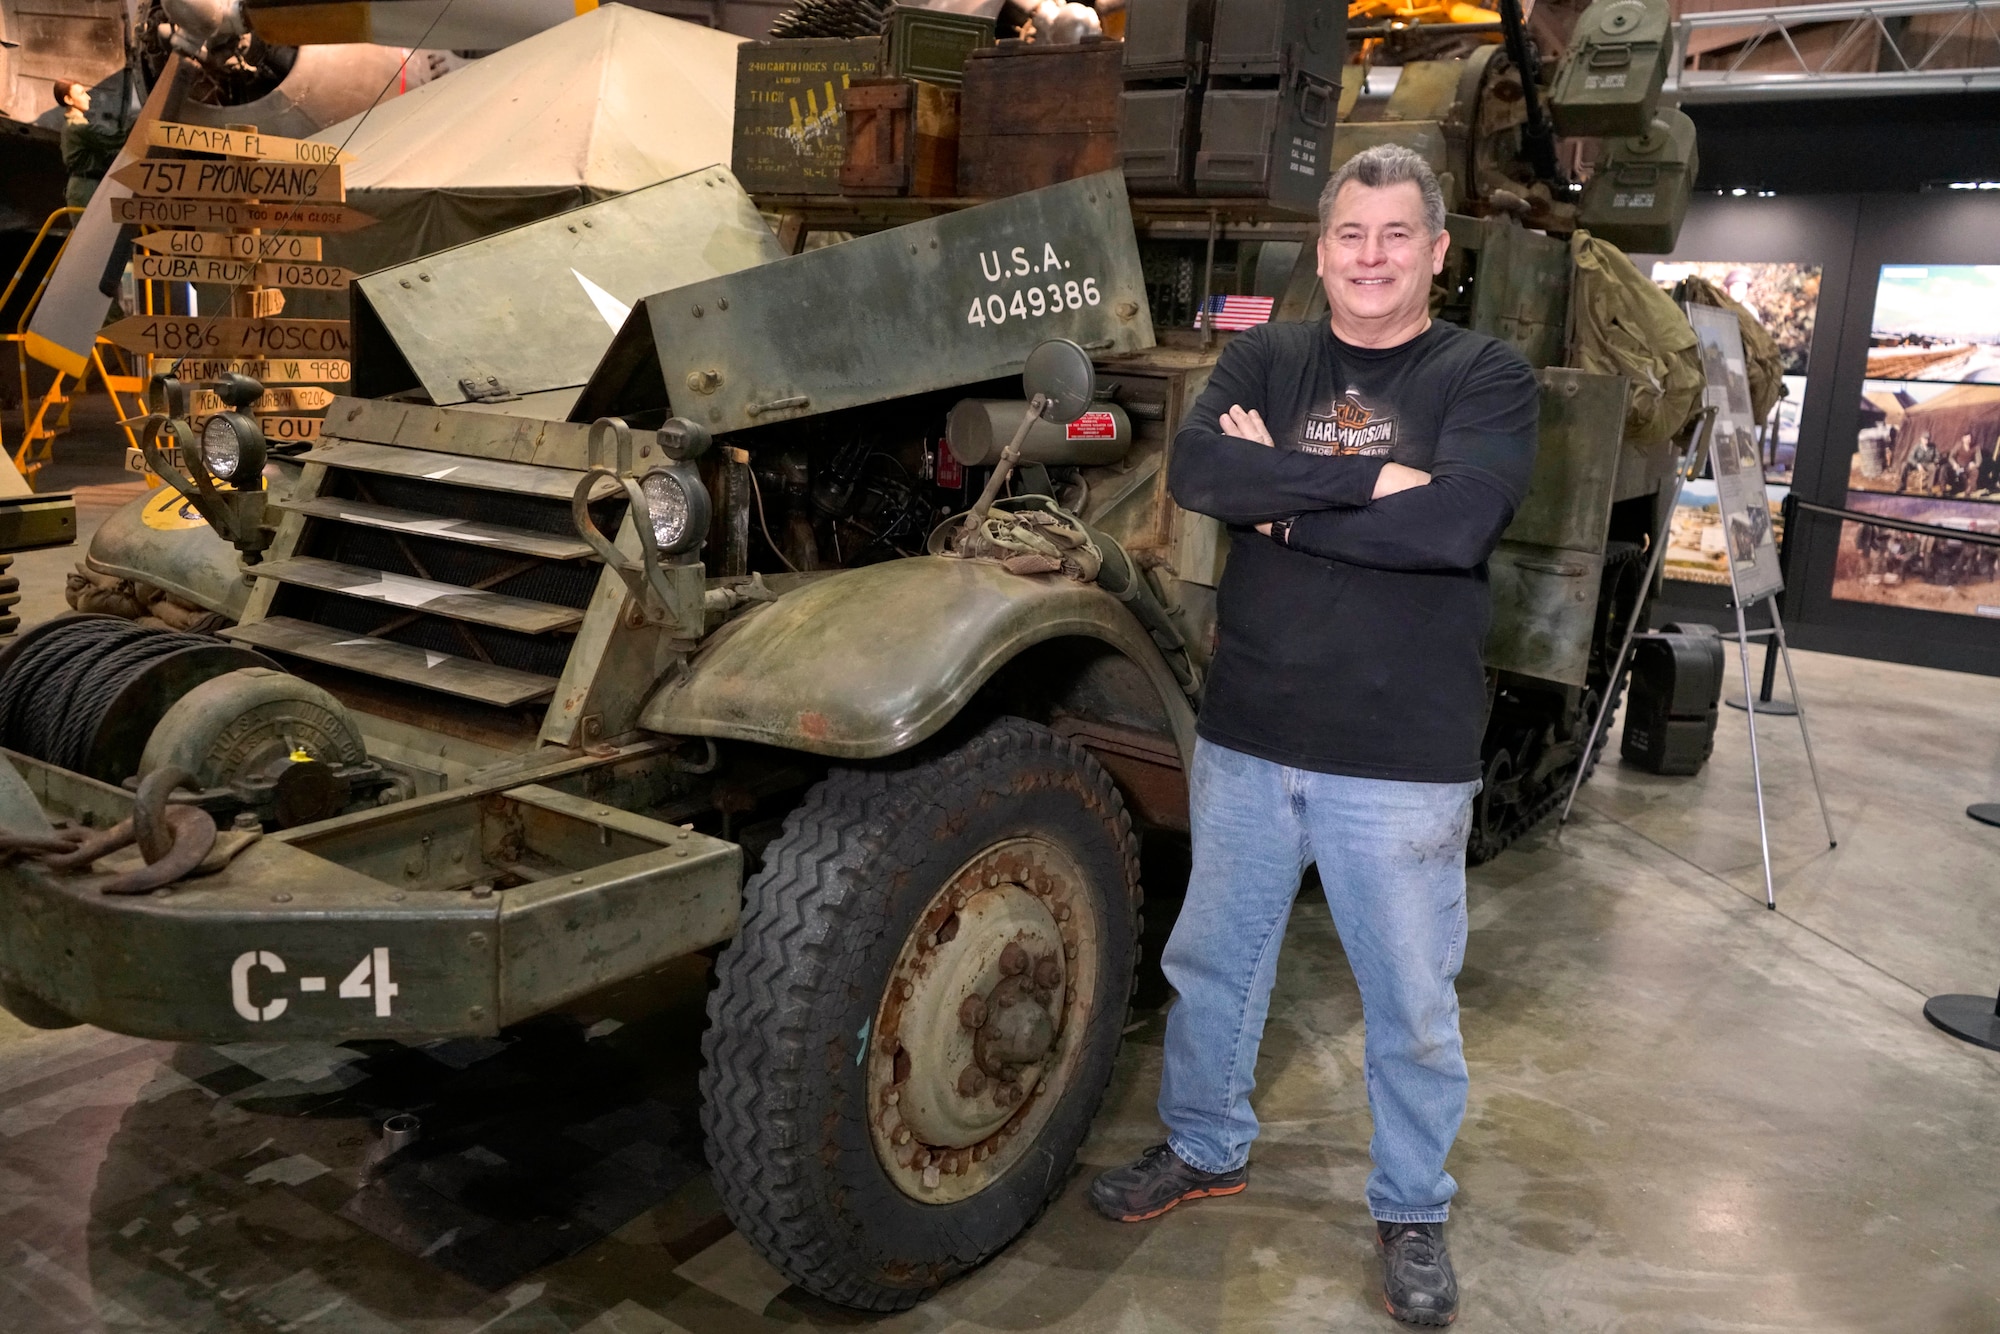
point(565, 652)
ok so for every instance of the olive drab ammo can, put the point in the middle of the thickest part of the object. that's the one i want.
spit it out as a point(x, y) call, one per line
point(1610, 78)
point(1640, 193)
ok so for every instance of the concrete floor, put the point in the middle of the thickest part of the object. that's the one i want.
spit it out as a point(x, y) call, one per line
point(1687, 1113)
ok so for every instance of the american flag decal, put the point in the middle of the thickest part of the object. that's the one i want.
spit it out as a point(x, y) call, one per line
point(1236, 312)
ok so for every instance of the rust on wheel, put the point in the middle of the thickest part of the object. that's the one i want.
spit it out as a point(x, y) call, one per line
point(978, 1028)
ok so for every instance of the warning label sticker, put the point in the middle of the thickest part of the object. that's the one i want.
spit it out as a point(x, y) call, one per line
point(1092, 426)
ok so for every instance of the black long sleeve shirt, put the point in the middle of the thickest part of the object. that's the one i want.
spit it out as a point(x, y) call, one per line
point(1354, 646)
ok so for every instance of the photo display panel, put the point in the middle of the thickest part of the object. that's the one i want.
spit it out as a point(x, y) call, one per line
point(1743, 510)
point(1927, 448)
point(1784, 298)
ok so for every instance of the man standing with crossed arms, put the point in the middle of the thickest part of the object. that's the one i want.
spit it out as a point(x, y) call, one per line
point(1366, 466)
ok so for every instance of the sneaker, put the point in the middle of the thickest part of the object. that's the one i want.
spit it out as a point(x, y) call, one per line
point(1157, 1182)
point(1417, 1283)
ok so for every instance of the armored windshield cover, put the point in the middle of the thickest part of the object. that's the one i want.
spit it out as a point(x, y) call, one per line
point(949, 301)
point(533, 309)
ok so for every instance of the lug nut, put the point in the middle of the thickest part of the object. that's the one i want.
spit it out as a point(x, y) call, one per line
point(1007, 1094)
point(1013, 959)
point(971, 1082)
point(1048, 972)
point(972, 1011)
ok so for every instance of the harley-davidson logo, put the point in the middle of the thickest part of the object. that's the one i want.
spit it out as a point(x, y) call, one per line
point(1350, 413)
point(1347, 426)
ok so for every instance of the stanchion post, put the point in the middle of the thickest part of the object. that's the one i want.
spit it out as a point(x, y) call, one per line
point(1973, 1019)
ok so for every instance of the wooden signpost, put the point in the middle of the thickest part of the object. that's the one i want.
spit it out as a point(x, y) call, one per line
point(208, 221)
point(263, 182)
point(227, 245)
point(242, 143)
point(191, 269)
point(305, 277)
point(229, 213)
point(305, 398)
point(267, 370)
point(281, 430)
point(229, 336)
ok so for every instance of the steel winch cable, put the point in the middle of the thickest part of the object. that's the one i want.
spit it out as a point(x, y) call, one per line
point(57, 694)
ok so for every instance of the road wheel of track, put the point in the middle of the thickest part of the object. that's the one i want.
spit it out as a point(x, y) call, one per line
point(913, 1029)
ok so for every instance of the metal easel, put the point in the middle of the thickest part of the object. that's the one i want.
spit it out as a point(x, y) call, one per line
point(1690, 459)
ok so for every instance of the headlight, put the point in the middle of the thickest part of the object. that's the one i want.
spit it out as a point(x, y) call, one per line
point(676, 507)
point(232, 449)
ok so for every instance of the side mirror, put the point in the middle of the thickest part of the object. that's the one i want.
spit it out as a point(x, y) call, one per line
point(1059, 373)
point(1060, 383)
point(669, 509)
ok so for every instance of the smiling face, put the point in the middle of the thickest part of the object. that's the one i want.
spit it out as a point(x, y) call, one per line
point(1376, 260)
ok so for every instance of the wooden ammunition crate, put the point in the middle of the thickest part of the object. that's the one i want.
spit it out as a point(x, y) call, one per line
point(902, 138)
point(789, 137)
point(1034, 114)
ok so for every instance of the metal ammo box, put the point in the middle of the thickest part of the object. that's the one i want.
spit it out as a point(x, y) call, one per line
point(1274, 87)
point(1640, 192)
point(932, 45)
point(1609, 82)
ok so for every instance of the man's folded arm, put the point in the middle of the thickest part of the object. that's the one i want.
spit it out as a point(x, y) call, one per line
point(1243, 481)
point(1452, 524)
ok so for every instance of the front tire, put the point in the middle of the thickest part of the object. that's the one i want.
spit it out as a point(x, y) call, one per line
point(914, 1027)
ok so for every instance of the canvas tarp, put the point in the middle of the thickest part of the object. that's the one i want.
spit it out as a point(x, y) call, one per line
point(613, 100)
point(1627, 326)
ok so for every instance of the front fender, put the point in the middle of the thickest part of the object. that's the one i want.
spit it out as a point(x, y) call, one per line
point(869, 662)
point(160, 540)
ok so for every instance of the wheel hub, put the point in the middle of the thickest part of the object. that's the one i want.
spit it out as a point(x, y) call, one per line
point(975, 1027)
point(978, 1023)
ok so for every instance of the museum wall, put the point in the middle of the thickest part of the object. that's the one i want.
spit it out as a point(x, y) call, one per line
point(1819, 260)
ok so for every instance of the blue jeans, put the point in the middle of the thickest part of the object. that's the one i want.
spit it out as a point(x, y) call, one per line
point(1392, 858)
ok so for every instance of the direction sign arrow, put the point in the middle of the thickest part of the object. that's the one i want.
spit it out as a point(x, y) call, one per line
point(290, 428)
point(317, 276)
point(232, 213)
point(266, 370)
point(222, 245)
point(229, 336)
point(287, 182)
point(206, 402)
point(190, 269)
point(242, 143)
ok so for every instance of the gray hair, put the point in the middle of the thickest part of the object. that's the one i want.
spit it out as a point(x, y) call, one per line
point(1383, 165)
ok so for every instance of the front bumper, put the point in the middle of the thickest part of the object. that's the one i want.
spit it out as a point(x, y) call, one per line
point(376, 925)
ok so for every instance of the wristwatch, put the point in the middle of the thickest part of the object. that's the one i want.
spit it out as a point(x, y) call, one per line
point(1281, 531)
